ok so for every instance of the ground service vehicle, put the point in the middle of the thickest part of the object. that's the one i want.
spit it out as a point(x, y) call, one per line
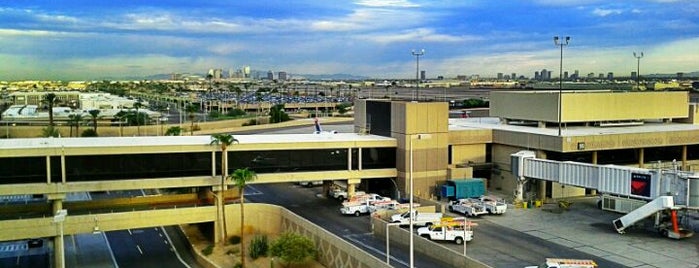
point(492, 204)
point(310, 183)
point(467, 206)
point(456, 231)
point(361, 196)
point(355, 208)
point(566, 263)
point(362, 204)
point(418, 218)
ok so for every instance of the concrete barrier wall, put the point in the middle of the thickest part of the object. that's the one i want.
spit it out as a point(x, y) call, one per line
point(333, 251)
point(422, 245)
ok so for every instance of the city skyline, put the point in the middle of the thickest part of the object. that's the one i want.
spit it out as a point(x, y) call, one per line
point(80, 40)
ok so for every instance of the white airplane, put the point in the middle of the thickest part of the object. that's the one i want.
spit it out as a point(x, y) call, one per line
point(319, 130)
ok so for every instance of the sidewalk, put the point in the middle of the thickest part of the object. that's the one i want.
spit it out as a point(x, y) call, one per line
point(588, 229)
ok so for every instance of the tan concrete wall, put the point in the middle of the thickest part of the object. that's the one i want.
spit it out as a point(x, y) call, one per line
point(463, 154)
point(501, 177)
point(589, 106)
point(430, 156)
point(424, 246)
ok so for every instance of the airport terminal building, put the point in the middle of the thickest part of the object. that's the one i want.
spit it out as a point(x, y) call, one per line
point(638, 129)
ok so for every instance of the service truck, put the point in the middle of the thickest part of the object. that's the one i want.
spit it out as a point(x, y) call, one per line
point(467, 206)
point(447, 232)
point(355, 208)
point(362, 204)
point(361, 196)
point(418, 218)
point(566, 263)
point(492, 204)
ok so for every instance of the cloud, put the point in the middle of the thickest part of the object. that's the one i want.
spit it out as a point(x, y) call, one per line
point(606, 12)
point(386, 3)
point(421, 35)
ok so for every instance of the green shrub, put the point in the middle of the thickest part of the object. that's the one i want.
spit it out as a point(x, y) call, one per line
point(259, 247)
point(293, 248)
point(208, 250)
point(234, 240)
point(235, 112)
point(89, 133)
point(250, 122)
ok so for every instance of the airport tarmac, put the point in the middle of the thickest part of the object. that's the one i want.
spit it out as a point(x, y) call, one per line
point(586, 228)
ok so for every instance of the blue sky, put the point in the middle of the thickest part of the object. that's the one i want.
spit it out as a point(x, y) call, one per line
point(88, 39)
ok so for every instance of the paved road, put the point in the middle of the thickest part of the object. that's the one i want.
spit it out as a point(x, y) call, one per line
point(493, 244)
point(309, 204)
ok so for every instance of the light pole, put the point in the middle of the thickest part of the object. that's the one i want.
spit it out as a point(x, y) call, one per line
point(417, 55)
point(59, 218)
point(638, 69)
point(388, 255)
point(410, 205)
point(560, 77)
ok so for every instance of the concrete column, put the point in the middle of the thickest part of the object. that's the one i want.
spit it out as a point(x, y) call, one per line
point(541, 189)
point(352, 187)
point(594, 162)
point(58, 244)
point(641, 157)
point(218, 223)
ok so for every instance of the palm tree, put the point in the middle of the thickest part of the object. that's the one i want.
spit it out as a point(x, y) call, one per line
point(224, 140)
point(74, 121)
point(191, 109)
point(50, 100)
point(137, 106)
point(93, 115)
point(240, 178)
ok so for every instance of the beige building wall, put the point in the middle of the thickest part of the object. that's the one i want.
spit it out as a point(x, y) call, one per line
point(589, 106)
point(426, 125)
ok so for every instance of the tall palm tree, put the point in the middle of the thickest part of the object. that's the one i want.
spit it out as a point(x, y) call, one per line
point(94, 115)
point(50, 99)
point(191, 110)
point(137, 106)
point(224, 140)
point(74, 121)
point(240, 178)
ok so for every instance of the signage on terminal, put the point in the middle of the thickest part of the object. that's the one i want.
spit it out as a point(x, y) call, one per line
point(640, 184)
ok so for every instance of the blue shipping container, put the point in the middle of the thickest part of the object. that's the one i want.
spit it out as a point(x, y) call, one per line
point(463, 188)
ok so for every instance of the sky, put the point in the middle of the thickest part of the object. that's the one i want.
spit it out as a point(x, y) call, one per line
point(92, 39)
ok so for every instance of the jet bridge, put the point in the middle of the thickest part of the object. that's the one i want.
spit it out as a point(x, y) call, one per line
point(644, 192)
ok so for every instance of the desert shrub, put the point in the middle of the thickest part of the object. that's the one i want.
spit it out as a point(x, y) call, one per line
point(259, 247)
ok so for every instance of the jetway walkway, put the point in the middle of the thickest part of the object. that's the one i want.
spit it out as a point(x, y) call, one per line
point(658, 191)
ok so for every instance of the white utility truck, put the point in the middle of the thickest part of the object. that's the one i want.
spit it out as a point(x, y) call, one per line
point(355, 208)
point(362, 204)
point(492, 204)
point(467, 206)
point(457, 231)
point(418, 218)
point(566, 263)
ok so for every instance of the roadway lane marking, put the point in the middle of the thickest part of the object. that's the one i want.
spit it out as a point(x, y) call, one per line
point(250, 190)
point(382, 253)
point(172, 247)
point(139, 249)
point(109, 247)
